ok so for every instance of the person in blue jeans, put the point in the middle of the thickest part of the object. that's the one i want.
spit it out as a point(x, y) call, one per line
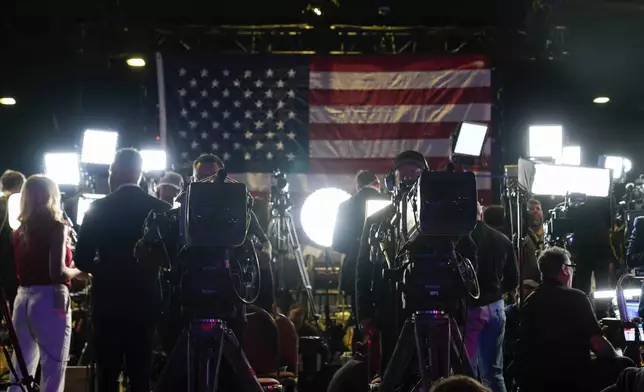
point(498, 273)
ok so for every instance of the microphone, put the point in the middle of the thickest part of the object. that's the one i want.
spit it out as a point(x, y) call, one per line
point(221, 176)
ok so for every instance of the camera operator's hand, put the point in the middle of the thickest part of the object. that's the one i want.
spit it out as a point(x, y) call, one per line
point(267, 249)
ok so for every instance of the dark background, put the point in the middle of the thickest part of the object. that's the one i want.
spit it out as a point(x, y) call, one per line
point(65, 64)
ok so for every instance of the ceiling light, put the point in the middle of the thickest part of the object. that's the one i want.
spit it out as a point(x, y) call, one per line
point(8, 101)
point(601, 100)
point(136, 62)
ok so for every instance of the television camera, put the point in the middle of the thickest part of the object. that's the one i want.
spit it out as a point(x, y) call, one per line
point(432, 214)
point(212, 224)
point(559, 228)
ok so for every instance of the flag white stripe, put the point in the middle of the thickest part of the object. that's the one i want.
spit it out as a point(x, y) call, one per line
point(399, 114)
point(361, 149)
point(307, 183)
point(399, 80)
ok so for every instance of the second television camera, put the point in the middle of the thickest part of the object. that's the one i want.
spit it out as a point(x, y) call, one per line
point(433, 214)
point(559, 228)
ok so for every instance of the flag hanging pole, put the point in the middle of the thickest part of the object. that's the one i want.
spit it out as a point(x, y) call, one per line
point(163, 121)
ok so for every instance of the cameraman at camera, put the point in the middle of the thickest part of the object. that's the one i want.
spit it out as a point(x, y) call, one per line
point(498, 273)
point(557, 333)
point(378, 300)
point(348, 230)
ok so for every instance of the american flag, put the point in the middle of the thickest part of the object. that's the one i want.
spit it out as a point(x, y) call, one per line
point(323, 118)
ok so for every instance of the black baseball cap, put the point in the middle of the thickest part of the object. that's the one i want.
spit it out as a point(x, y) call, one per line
point(411, 157)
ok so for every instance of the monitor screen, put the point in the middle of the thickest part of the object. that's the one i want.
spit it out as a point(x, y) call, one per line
point(632, 309)
point(629, 334)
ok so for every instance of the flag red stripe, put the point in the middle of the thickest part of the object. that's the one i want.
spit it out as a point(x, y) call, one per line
point(435, 130)
point(436, 96)
point(331, 166)
point(394, 63)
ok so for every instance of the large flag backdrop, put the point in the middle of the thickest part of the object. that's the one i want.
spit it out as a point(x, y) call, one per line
point(321, 118)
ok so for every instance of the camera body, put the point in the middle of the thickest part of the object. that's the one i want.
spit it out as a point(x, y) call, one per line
point(559, 229)
point(214, 215)
point(211, 225)
point(433, 214)
point(280, 196)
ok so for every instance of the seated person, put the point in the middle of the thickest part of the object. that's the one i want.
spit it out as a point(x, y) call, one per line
point(557, 333)
point(458, 384)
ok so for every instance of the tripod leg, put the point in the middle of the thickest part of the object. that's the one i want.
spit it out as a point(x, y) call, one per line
point(397, 366)
point(174, 371)
point(460, 362)
point(425, 352)
point(236, 358)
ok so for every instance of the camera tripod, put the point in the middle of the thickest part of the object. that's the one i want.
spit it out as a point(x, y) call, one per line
point(205, 342)
point(436, 340)
point(24, 380)
point(281, 231)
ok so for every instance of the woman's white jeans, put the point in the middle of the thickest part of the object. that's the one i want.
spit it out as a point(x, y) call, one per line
point(43, 320)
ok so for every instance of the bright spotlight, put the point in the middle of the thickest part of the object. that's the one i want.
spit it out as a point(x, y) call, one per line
point(136, 62)
point(470, 139)
point(319, 212)
point(154, 160)
point(7, 101)
point(84, 202)
point(63, 167)
point(99, 147)
point(562, 180)
point(619, 165)
point(609, 294)
point(13, 211)
point(570, 155)
point(601, 100)
point(317, 11)
point(545, 141)
point(375, 205)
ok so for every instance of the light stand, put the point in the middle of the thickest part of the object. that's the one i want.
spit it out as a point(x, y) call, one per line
point(514, 194)
point(27, 382)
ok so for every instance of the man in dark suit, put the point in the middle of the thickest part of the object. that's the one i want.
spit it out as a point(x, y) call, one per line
point(126, 300)
point(348, 228)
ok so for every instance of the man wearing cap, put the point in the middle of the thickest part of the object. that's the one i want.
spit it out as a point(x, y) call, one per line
point(169, 187)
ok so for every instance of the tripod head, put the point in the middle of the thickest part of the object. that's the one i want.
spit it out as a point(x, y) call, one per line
point(280, 197)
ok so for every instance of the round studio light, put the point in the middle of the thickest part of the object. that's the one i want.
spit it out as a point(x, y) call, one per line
point(601, 100)
point(319, 212)
point(7, 101)
point(136, 62)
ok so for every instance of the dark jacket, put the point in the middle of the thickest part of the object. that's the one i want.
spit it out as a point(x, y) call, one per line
point(498, 270)
point(348, 231)
point(635, 251)
point(8, 274)
point(121, 287)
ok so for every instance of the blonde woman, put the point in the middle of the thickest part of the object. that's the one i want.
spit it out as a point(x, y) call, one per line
point(42, 311)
